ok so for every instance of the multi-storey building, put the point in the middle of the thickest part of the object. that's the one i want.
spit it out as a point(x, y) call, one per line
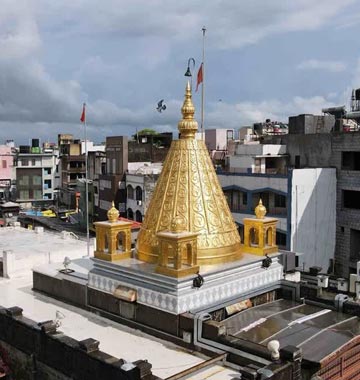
point(112, 184)
point(301, 199)
point(339, 150)
point(35, 175)
point(149, 147)
point(7, 172)
point(140, 184)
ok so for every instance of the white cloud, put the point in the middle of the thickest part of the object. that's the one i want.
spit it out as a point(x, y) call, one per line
point(34, 98)
point(223, 115)
point(315, 64)
point(231, 24)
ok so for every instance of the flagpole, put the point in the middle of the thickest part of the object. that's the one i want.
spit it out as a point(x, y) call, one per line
point(86, 189)
point(203, 84)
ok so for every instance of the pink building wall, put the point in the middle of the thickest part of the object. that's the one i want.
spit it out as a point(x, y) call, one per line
point(6, 162)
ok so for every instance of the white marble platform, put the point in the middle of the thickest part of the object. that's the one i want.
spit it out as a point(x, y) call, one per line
point(177, 296)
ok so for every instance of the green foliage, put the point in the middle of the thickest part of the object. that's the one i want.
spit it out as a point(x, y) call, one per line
point(145, 131)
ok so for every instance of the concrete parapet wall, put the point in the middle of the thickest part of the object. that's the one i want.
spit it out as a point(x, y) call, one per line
point(38, 349)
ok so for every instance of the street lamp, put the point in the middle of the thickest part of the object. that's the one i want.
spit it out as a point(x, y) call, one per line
point(188, 71)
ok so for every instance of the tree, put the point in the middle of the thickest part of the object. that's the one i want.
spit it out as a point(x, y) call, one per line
point(145, 131)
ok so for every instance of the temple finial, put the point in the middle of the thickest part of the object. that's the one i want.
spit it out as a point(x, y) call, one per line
point(188, 126)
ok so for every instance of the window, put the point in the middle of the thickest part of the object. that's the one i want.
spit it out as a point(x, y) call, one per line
point(4, 164)
point(33, 162)
point(244, 199)
point(130, 214)
point(351, 199)
point(354, 244)
point(257, 165)
point(37, 194)
point(297, 162)
point(138, 192)
point(350, 161)
point(130, 192)
point(280, 239)
point(24, 162)
point(138, 216)
point(47, 171)
point(24, 181)
point(228, 197)
point(47, 184)
point(280, 201)
point(36, 180)
point(24, 194)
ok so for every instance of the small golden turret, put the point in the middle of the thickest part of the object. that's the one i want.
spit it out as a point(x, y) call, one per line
point(113, 237)
point(260, 232)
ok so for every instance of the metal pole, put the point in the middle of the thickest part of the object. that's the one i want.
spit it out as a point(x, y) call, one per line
point(198, 367)
point(203, 84)
point(86, 191)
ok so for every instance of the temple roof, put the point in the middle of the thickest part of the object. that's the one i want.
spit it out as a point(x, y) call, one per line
point(188, 195)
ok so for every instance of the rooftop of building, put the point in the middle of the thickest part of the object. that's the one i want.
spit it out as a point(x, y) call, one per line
point(115, 339)
point(318, 331)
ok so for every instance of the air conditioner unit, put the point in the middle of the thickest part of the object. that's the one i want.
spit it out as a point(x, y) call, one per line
point(357, 290)
point(353, 279)
point(139, 203)
point(342, 285)
point(323, 281)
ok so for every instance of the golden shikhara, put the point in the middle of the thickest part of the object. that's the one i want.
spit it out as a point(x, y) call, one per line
point(188, 196)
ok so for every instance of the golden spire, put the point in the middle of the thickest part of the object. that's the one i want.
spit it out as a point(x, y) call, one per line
point(188, 197)
point(260, 210)
point(188, 126)
point(113, 213)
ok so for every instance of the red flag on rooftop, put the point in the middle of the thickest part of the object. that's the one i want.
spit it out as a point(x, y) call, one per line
point(199, 76)
point(83, 117)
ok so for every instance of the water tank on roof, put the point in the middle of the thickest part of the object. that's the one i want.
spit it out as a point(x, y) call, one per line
point(357, 94)
point(24, 149)
point(35, 143)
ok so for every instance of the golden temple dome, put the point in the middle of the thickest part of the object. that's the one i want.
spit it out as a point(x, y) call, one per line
point(188, 197)
point(113, 214)
point(260, 210)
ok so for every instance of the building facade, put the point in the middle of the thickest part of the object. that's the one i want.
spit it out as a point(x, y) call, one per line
point(341, 151)
point(149, 147)
point(140, 185)
point(112, 184)
point(35, 177)
point(7, 172)
point(303, 200)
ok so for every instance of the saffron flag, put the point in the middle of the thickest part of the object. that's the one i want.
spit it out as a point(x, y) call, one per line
point(199, 77)
point(83, 117)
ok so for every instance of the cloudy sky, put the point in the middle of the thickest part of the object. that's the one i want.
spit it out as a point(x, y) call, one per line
point(264, 59)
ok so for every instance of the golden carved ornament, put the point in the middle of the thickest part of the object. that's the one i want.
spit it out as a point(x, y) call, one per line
point(188, 126)
point(113, 213)
point(260, 210)
point(188, 191)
